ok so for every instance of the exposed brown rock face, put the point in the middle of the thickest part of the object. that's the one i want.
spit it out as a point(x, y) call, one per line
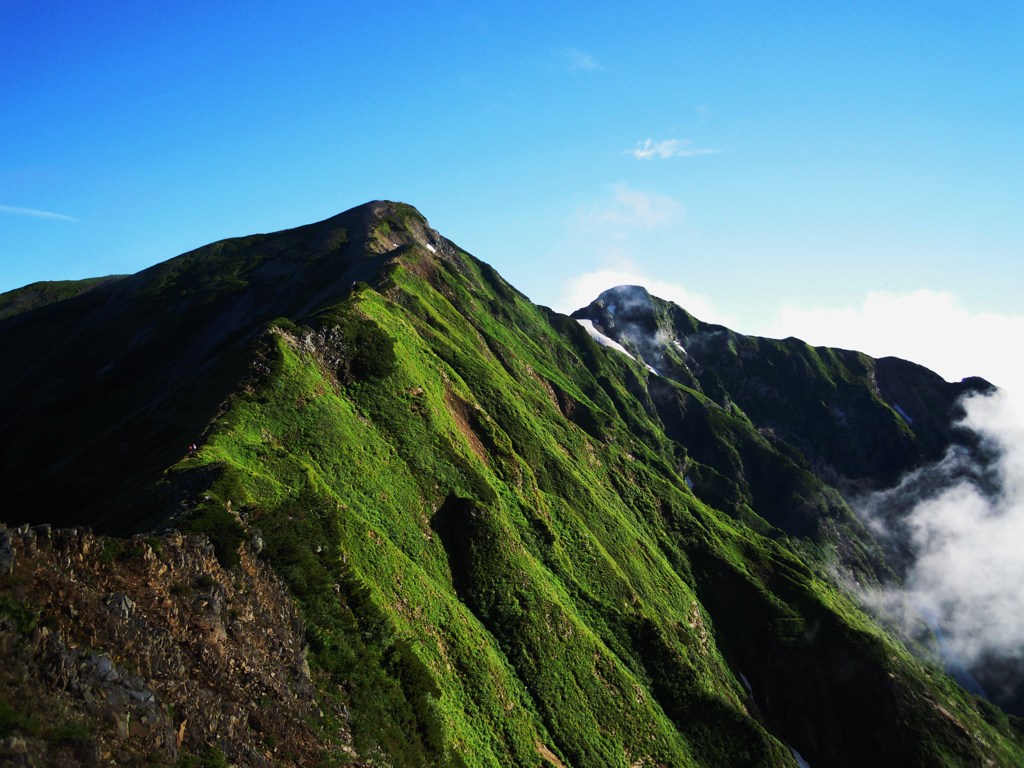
point(144, 651)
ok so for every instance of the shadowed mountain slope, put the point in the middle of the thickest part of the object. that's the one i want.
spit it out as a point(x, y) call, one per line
point(105, 389)
point(806, 421)
point(510, 544)
point(858, 421)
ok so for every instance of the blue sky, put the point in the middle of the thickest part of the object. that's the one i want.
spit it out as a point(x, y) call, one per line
point(849, 173)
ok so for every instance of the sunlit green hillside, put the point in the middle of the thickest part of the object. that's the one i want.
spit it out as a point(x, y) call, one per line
point(510, 544)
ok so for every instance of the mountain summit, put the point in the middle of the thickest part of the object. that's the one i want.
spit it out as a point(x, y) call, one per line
point(107, 386)
point(512, 537)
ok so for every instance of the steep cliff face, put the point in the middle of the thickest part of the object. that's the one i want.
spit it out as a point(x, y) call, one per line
point(510, 544)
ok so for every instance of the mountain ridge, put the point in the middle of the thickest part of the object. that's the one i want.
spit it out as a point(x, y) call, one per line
point(509, 544)
point(215, 313)
point(838, 409)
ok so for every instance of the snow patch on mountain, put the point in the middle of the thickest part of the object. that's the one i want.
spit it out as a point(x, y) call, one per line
point(902, 413)
point(746, 684)
point(603, 340)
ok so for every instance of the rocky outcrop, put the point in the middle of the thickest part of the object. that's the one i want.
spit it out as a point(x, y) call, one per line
point(146, 651)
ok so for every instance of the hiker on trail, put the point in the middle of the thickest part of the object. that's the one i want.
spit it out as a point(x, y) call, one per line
point(192, 448)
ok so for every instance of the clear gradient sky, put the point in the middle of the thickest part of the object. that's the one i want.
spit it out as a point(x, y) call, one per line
point(851, 173)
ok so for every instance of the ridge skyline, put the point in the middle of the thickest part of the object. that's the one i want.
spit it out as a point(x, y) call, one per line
point(843, 171)
point(671, 292)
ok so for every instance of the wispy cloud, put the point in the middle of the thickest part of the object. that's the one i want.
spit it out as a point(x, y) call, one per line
point(650, 149)
point(629, 207)
point(575, 60)
point(35, 213)
point(615, 232)
point(961, 521)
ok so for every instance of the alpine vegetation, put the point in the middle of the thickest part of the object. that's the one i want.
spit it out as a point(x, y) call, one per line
point(476, 531)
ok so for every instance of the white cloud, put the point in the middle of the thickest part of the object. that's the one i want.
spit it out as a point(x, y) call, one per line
point(966, 565)
point(580, 290)
point(932, 328)
point(962, 519)
point(628, 207)
point(35, 213)
point(574, 59)
point(612, 231)
point(649, 149)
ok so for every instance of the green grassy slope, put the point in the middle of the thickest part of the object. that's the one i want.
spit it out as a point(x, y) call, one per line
point(103, 390)
point(485, 517)
point(495, 495)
